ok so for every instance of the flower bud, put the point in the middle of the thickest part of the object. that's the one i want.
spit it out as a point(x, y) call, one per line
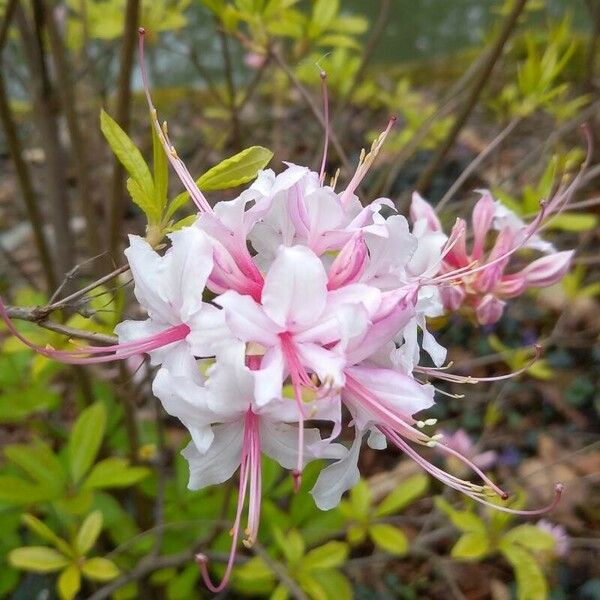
point(349, 264)
point(483, 214)
point(489, 310)
point(548, 269)
point(421, 209)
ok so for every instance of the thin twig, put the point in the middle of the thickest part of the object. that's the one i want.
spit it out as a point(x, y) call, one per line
point(5, 25)
point(280, 571)
point(509, 25)
point(150, 564)
point(27, 192)
point(122, 116)
point(79, 151)
point(29, 314)
point(231, 91)
point(476, 163)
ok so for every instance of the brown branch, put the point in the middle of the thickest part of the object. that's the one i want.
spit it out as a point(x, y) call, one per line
point(481, 157)
point(231, 92)
point(45, 114)
point(122, 116)
point(79, 151)
point(31, 314)
point(509, 25)
point(27, 192)
point(6, 21)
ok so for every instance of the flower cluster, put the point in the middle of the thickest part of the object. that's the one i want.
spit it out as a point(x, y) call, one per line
point(294, 305)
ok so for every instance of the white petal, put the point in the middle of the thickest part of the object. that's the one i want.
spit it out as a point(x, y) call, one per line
point(280, 442)
point(401, 393)
point(376, 440)
point(185, 399)
point(268, 380)
point(148, 276)
point(130, 331)
point(246, 319)
point(335, 479)
point(295, 290)
point(220, 461)
point(327, 364)
point(208, 331)
point(187, 265)
point(230, 382)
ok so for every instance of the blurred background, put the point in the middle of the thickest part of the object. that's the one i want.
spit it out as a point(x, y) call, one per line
point(488, 94)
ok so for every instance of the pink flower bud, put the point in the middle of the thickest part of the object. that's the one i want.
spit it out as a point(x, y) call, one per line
point(421, 209)
point(483, 214)
point(349, 264)
point(453, 296)
point(489, 310)
point(548, 269)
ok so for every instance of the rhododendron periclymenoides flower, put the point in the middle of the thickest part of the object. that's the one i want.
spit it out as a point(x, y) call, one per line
point(318, 310)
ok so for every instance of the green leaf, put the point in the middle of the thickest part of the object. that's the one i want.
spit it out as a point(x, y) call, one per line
point(280, 593)
point(161, 172)
point(324, 11)
point(100, 569)
point(85, 440)
point(178, 202)
point(37, 558)
point(69, 583)
point(88, 532)
point(41, 529)
point(235, 170)
point(405, 494)
point(38, 461)
point(575, 222)
point(309, 583)
point(531, 582)
point(254, 577)
point(114, 472)
point(531, 537)
point(329, 555)
point(185, 222)
point(14, 490)
point(127, 153)
point(471, 546)
point(146, 203)
point(461, 519)
point(360, 499)
point(389, 538)
point(336, 585)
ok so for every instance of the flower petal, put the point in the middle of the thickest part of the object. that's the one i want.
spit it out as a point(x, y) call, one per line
point(220, 461)
point(295, 290)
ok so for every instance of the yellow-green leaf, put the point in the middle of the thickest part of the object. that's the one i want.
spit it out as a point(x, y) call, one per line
point(69, 583)
point(389, 538)
point(329, 555)
point(37, 558)
point(360, 499)
point(461, 519)
point(100, 569)
point(85, 440)
point(406, 493)
point(335, 584)
point(280, 593)
point(46, 533)
point(88, 532)
point(531, 582)
point(235, 170)
point(531, 537)
point(146, 203)
point(127, 153)
point(471, 546)
point(114, 472)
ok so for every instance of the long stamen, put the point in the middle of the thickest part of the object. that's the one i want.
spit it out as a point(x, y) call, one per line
point(439, 374)
point(202, 559)
point(325, 95)
point(100, 354)
point(180, 168)
point(365, 163)
point(451, 275)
